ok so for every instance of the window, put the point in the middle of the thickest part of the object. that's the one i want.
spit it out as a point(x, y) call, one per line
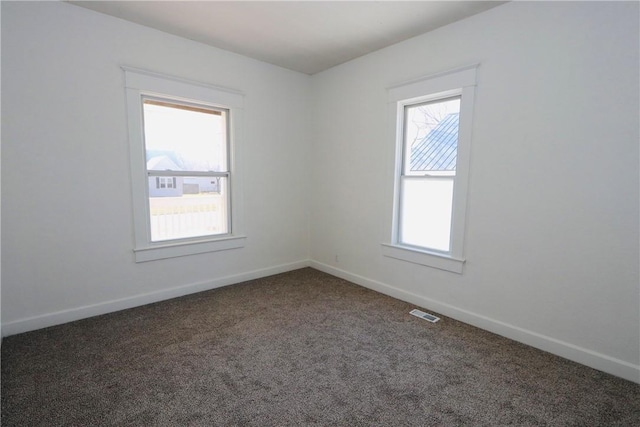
point(185, 185)
point(430, 145)
point(164, 182)
point(190, 142)
point(432, 130)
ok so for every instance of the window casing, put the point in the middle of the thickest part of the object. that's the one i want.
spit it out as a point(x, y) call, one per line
point(186, 188)
point(431, 168)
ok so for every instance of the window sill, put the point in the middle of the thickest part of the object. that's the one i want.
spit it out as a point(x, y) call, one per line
point(173, 250)
point(429, 259)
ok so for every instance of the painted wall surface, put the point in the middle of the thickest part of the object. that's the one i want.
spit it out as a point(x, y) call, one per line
point(66, 202)
point(552, 226)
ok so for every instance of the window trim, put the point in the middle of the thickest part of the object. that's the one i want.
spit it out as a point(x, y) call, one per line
point(140, 84)
point(462, 82)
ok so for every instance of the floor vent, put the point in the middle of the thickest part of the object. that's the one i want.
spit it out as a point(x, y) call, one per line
point(426, 316)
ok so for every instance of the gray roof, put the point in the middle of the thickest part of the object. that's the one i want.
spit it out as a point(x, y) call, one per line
point(438, 150)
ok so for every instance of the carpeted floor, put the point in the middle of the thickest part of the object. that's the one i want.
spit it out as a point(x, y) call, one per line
point(300, 348)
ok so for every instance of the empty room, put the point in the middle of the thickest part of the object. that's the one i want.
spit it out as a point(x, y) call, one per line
point(320, 213)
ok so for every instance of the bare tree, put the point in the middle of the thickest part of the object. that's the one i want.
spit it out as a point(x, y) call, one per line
point(426, 117)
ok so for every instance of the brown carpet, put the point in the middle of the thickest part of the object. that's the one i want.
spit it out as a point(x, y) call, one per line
point(300, 348)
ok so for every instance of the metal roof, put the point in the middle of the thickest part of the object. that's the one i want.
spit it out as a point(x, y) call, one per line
point(438, 150)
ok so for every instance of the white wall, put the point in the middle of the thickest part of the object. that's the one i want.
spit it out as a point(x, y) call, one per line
point(66, 202)
point(552, 235)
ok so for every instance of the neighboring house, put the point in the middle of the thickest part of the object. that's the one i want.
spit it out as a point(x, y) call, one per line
point(439, 149)
point(176, 186)
point(164, 186)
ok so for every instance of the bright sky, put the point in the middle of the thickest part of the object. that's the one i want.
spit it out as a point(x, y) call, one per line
point(198, 138)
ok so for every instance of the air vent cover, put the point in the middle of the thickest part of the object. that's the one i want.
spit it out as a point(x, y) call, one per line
point(426, 316)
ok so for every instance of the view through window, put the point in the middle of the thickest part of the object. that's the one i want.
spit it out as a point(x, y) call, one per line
point(428, 172)
point(187, 166)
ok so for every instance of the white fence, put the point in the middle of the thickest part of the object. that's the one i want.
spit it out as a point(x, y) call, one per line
point(187, 216)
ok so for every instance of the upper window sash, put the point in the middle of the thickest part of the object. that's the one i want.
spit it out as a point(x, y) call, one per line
point(406, 157)
point(221, 160)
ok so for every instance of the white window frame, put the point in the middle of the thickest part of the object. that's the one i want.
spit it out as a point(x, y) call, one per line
point(458, 82)
point(140, 84)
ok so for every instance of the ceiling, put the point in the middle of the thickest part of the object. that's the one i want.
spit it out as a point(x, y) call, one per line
point(304, 36)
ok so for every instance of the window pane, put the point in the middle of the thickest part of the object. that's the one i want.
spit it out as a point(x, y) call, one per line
point(196, 206)
point(184, 138)
point(426, 212)
point(431, 137)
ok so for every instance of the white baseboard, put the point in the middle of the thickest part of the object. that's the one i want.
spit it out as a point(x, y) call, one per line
point(65, 316)
point(563, 349)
